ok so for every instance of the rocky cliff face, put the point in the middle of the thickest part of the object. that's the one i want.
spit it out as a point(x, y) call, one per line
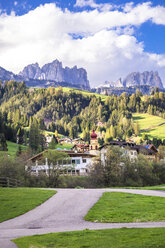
point(55, 72)
point(145, 78)
point(7, 75)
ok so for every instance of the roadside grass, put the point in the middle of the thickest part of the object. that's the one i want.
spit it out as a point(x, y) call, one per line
point(157, 187)
point(17, 201)
point(13, 148)
point(149, 124)
point(116, 207)
point(107, 238)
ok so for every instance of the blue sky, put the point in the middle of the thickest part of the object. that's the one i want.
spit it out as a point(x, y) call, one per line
point(108, 38)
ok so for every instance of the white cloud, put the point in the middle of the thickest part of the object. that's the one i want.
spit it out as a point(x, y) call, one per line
point(15, 3)
point(108, 48)
point(92, 4)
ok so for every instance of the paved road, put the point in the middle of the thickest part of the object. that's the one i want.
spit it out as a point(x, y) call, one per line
point(64, 212)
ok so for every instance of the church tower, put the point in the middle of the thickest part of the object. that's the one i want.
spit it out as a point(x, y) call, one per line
point(94, 142)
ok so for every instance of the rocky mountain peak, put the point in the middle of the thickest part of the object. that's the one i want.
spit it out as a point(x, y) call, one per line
point(145, 78)
point(54, 71)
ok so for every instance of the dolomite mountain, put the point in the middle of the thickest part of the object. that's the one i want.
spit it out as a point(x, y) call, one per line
point(54, 72)
point(145, 82)
point(146, 78)
point(51, 74)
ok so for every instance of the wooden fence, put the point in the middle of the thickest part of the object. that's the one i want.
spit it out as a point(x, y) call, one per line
point(9, 182)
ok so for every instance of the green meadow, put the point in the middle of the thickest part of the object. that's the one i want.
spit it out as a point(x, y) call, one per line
point(153, 126)
point(13, 148)
point(84, 92)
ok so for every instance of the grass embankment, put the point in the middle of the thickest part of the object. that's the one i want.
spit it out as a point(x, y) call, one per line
point(13, 148)
point(153, 126)
point(115, 207)
point(17, 201)
point(112, 238)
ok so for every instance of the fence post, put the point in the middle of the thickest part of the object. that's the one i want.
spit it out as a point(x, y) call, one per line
point(8, 182)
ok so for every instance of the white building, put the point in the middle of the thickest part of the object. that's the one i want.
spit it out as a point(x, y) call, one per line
point(75, 164)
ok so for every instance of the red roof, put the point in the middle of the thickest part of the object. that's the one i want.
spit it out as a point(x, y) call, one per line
point(93, 135)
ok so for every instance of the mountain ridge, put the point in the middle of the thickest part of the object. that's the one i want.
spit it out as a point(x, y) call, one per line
point(50, 74)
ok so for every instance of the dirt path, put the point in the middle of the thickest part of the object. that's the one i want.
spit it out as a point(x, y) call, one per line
point(64, 212)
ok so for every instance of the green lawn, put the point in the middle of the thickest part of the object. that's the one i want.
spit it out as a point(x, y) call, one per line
point(17, 201)
point(13, 148)
point(115, 207)
point(149, 124)
point(110, 238)
point(156, 187)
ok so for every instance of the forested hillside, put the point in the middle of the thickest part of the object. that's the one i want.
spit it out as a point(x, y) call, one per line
point(72, 113)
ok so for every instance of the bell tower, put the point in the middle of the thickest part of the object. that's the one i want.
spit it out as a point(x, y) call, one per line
point(94, 142)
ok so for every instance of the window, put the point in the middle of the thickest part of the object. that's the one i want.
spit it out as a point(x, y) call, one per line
point(84, 160)
point(78, 161)
point(73, 161)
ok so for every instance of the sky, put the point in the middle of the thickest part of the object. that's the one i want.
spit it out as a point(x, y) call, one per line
point(110, 39)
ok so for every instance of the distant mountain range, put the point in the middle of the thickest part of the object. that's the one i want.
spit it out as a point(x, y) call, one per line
point(51, 74)
point(143, 81)
point(54, 74)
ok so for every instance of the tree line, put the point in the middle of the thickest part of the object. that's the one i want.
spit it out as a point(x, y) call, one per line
point(71, 113)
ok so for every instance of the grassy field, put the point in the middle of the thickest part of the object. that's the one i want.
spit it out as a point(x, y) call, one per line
point(17, 201)
point(84, 92)
point(13, 148)
point(153, 126)
point(111, 238)
point(52, 133)
point(115, 207)
point(64, 146)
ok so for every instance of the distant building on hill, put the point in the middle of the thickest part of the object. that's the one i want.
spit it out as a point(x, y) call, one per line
point(66, 140)
point(78, 141)
point(132, 150)
point(81, 148)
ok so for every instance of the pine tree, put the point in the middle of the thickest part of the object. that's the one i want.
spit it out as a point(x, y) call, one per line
point(136, 128)
point(34, 137)
point(3, 144)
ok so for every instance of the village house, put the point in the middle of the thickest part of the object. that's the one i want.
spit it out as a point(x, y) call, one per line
point(78, 141)
point(66, 140)
point(81, 148)
point(76, 164)
point(131, 150)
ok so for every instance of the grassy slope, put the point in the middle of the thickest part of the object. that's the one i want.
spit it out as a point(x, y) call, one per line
point(149, 124)
point(113, 238)
point(64, 146)
point(84, 92)
point(17, 201)
point(115, 207)
point(13, 148)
